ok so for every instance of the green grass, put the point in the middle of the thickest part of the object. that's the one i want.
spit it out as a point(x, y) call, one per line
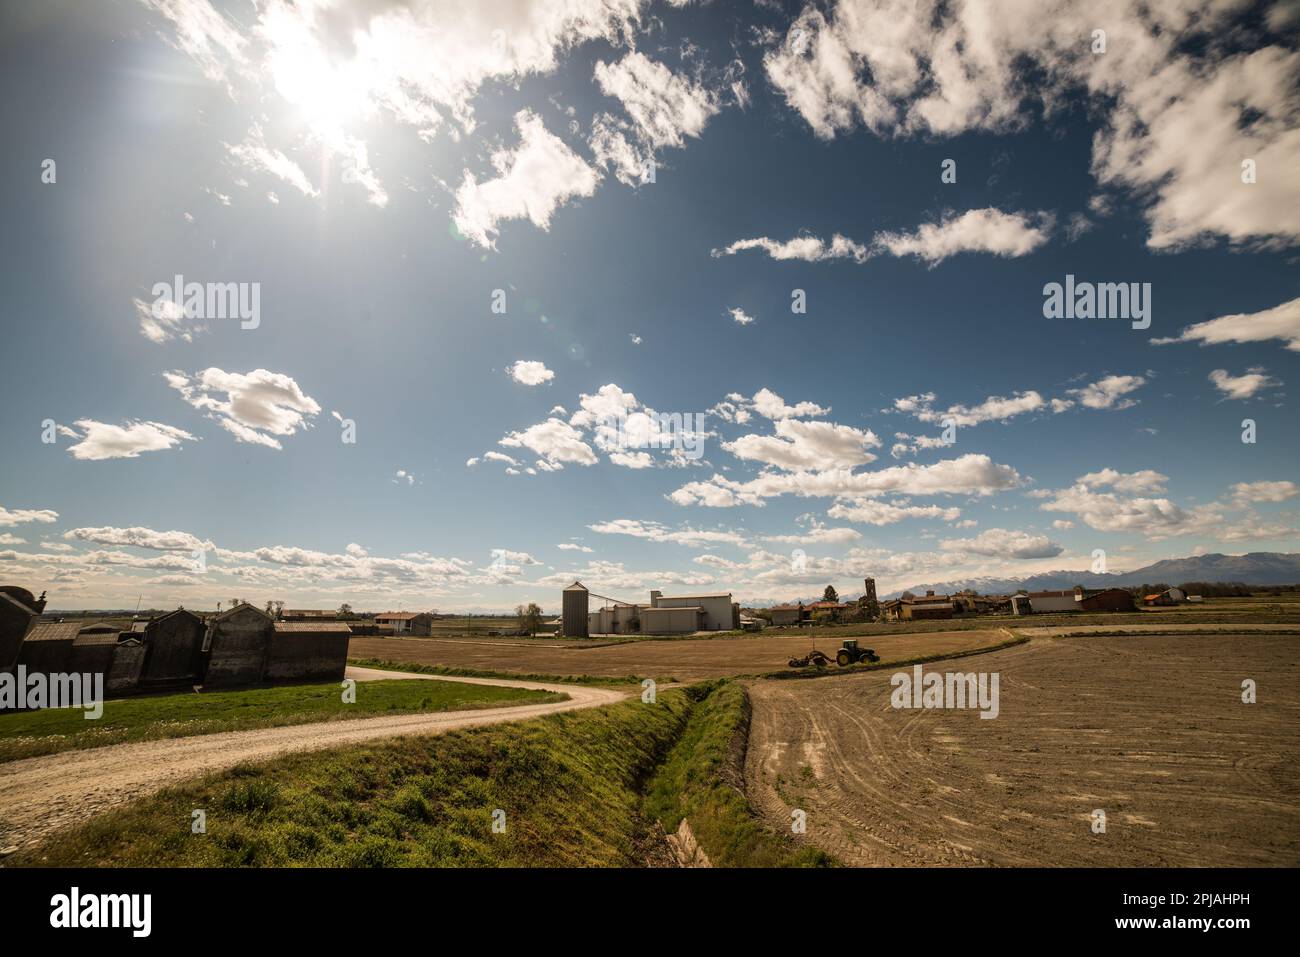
point(419, 669)
point(579, 789)
point(568, 784)
point(32, 733)
point(702, 780)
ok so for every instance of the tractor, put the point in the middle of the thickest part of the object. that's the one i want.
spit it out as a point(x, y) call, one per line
point(851, 654)
point(814, 657)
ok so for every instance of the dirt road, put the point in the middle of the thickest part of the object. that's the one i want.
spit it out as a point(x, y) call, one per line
point(1151, 730)
point(41, 795)
point(686, 659)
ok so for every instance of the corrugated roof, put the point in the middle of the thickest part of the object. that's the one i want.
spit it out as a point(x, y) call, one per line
point(399, 615)
point(54, 630)
point(97, 638)
point(313, 627)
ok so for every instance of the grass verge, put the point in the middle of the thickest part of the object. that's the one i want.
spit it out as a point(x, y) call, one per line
point(702, 780)
point(577, 789)
point(29, 734)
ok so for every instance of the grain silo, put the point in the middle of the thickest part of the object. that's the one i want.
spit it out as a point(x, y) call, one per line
point(575, 611)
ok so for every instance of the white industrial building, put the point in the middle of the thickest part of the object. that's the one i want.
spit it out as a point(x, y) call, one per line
point(666, 615)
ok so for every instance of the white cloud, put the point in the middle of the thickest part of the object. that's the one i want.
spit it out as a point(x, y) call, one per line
point(164, 320)
point(740, 316)
point(100, 440)
point(138, 537)
point(1146, 480)
point(657, 532)
point(555, 441)
point(770, 405)
point(1167, 83)
point(799, 445)
point(999, 542)
point(1244, 386)
point(806, 248)
point(906, 444)
point(573, 547)
point(993, 409)
point(1155, 518)
point(971, 474)
point(1244, 493)
point(534, 179)
point(530, 372)
point(986, 230)
point(1280, 322)
point(818, 536)
point(21, 516)
point(663, 106)
point(254, 407)
point(203, 34)
point(7, 539)
point(1109, 392)
point(975, 231)
point(871, 512)
point(254, 154)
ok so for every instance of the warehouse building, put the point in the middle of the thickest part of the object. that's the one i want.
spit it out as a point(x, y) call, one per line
point(664, 615)
point(410, 623)
point(243, 646)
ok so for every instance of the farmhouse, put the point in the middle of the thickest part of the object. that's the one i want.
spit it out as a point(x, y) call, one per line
point(929, 608)
point(788, 614)
point(419, 624)
point(1170, 596)
point(833, 610)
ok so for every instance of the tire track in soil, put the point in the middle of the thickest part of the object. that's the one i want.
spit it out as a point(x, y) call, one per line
point(1150, 728)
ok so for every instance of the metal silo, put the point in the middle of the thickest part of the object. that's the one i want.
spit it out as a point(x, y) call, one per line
point(575, 611)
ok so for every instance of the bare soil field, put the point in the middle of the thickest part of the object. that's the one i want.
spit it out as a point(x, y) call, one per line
point(686, 659)
point(1151, 730)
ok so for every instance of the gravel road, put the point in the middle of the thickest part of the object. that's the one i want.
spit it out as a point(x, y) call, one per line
point(41, 795)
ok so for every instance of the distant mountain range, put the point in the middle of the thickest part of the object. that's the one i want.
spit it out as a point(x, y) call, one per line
point(1253, 568)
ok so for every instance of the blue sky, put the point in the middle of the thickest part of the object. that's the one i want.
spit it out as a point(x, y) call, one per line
point(387, 171)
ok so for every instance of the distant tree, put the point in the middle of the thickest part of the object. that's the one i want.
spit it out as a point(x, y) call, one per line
point(345, 610)
point(530, 618)
point(236, 601)
point(279, 609)
point(830, 594)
